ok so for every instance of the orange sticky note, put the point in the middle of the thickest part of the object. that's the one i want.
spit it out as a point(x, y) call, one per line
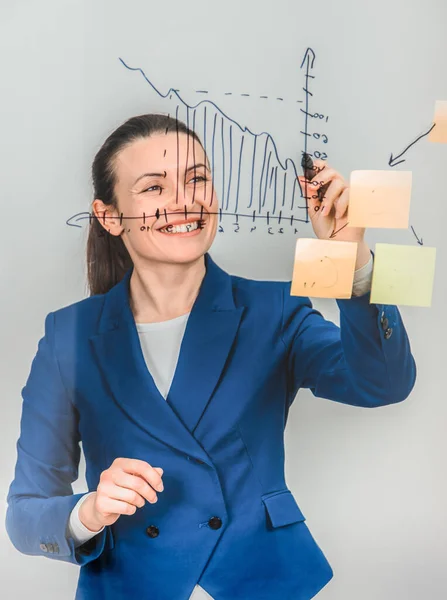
point(323, 268)
point(379, 199)
point(439, 132)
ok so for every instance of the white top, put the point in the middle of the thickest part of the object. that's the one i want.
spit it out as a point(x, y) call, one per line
point(160, 344)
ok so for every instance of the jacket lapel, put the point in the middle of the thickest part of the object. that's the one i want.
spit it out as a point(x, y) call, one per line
point(210, 332)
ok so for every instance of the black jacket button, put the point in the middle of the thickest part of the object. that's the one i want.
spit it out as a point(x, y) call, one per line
point(384, 322)
point(152, 531)
point(215, 523)
point(388, 333)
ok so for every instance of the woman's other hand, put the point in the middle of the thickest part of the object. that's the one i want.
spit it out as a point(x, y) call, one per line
point(122, 488)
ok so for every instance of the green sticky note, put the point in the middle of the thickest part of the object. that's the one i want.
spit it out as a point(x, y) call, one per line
point(403, 275)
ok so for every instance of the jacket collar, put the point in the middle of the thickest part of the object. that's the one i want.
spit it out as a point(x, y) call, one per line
point(210, 332)
point(215, 294)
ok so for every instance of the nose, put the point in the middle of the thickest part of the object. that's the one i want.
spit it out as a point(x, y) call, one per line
point(182, 202)
point(177, 197)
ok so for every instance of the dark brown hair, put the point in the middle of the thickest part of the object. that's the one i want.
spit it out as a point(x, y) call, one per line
point(107, 256)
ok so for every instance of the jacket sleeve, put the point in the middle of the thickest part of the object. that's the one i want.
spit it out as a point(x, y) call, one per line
point(40, 497)
point(367, 361)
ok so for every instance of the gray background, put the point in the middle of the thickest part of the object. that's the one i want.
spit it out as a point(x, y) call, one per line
point(371, 482)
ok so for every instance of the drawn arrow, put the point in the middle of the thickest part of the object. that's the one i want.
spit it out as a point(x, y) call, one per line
point(392, 160)
point(334, 233)
point(420, 241)
point(309, 53)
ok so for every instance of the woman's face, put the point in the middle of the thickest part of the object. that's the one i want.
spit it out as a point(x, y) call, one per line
point(163, 182)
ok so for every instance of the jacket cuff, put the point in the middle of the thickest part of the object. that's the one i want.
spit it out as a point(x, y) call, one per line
point(383, 323)
point(39, 526)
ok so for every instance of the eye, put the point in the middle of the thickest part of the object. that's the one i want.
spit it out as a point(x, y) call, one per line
point(153, 188)
point(198, 178)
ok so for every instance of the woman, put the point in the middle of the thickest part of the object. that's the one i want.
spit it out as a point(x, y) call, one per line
point(186, 489)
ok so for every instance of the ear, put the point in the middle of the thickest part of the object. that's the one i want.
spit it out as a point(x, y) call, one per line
point(108, 217)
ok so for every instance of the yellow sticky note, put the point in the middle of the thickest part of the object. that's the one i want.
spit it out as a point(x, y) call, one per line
point(403, 275)
point(323, 268)
point(379, 199)
point(439, 132)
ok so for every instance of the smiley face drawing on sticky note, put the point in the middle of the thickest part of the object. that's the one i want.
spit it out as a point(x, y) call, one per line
point(439, 131)
point(323, 268)
point(379, 199)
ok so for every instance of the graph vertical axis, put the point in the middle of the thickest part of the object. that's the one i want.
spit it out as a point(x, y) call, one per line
point(309, 65)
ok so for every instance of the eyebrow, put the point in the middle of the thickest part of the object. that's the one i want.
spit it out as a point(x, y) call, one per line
point(164, 172)
point(150, 175)
point(197, 167)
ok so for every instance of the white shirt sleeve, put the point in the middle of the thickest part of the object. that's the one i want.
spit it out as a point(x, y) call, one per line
point(78, 531)
point(363, 279)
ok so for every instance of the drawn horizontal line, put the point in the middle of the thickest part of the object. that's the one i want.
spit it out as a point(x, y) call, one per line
point(237, 94)
point(86, 215)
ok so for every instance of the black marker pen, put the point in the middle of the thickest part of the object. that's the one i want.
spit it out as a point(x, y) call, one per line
point(309, 173)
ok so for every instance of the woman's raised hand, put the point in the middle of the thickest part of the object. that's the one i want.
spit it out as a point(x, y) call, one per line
point(329, 216)
point(122, 488)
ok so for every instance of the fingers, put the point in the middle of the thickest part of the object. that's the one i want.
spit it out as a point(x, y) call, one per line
point(325, 190)
point(325, 176)
point(331, 195)
point(322, 179)
point(134, 466)
point(126, 485)
point(134, 483)
point(106, 506)
point(323, 173)
point(112, 498)
point(319, 164)
point(309, 188)
point(341, 204)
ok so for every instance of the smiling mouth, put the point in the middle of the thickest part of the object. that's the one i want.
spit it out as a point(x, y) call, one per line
point(183, 227)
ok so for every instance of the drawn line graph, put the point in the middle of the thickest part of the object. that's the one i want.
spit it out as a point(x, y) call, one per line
point(252, 180)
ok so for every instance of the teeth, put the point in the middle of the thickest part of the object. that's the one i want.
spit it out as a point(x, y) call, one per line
point(180, 228)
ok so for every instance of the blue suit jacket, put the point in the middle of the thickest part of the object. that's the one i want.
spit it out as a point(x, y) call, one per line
point(226, 518)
